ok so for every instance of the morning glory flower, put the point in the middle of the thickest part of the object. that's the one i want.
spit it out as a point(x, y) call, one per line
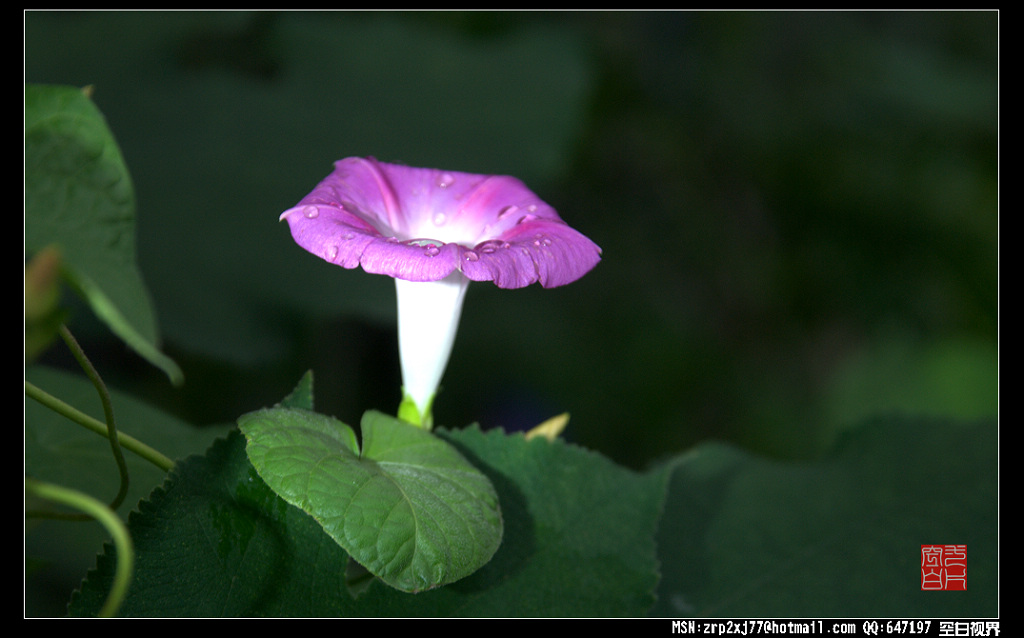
point(435, 231)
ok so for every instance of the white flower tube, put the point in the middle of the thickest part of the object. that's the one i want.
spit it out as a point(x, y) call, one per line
point(428, 318)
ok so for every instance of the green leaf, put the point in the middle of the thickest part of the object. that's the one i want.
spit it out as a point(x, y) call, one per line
point(301, 397)
point(216, 541)
point(579, 532)
point(408, 507)
point(579, 540)
point(745, 536)
point(79, 197)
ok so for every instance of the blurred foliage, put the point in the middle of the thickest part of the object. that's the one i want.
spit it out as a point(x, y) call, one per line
point(62, 453)
point(791, 205)
point(79, 221)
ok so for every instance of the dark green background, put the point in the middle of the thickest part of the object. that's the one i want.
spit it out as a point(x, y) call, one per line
point(798, 211)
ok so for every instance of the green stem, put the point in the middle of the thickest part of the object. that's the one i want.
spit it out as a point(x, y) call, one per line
point(109, 520)
point(108, 412)
point(86, 421)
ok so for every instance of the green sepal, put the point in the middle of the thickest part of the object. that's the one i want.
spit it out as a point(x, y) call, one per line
point(409, 412)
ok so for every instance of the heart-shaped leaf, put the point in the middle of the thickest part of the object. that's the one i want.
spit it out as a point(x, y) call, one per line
point(408, 506)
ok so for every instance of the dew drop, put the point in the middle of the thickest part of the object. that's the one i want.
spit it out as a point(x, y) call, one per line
point(444, 180)
point(309, 212)
point(349, 235)
point(431, 247)
point(332, 253)
point(471, 256)
point(526, 218)
point(440, 219)
point(507, 210)
point(490, 246)
point(532, 208)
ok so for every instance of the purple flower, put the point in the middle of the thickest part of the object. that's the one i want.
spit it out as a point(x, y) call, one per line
point(422, 224)
point(427, 225)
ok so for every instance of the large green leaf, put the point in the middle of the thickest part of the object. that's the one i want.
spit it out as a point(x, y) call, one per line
point(745, 536)
point(408, 506)
point(79, 197)
point(216, 541)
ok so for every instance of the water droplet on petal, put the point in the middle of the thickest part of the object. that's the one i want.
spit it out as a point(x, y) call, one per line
point(349, 235)
point(431, 247)
point(332, 253)
point(440, 219)
point(526, 218)
point(444, 180)
point(532, 208)
point(309, 212)
point(507, 210)
point(471, 256)
point(491, 246)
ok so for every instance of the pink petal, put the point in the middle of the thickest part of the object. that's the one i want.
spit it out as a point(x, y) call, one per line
point(537, 250)
point(421, 224)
